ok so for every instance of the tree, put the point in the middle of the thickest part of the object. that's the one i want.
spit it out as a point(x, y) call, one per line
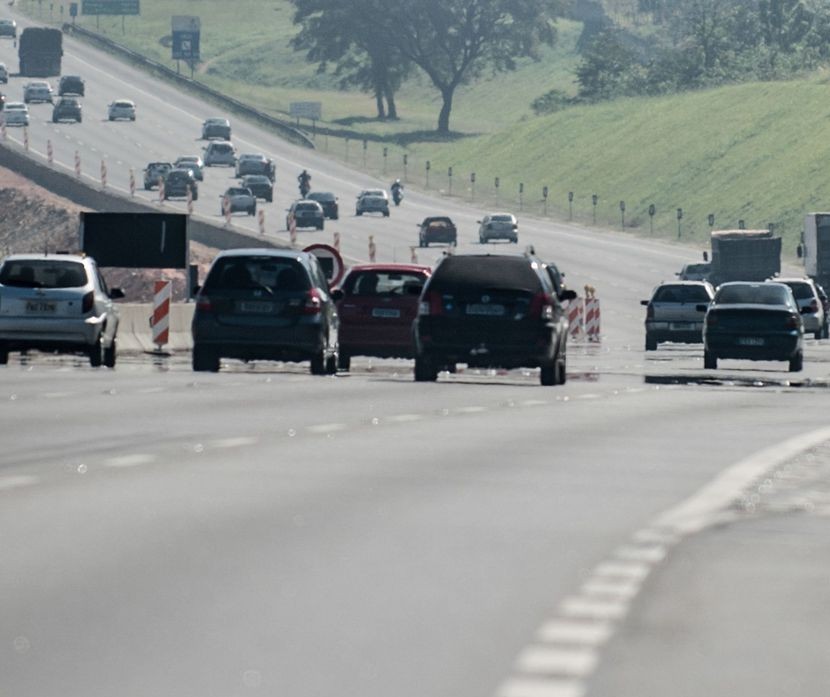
point(454, 41)
point(341, 32)
point(606, 67)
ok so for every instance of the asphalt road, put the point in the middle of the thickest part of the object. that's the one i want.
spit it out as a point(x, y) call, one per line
point(262, 531)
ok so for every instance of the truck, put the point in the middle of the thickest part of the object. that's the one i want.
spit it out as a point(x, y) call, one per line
point(815, 247)
point(744, 255)
point(40, 50)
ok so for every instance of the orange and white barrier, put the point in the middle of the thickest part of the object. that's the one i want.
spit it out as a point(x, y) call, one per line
point(161, 190)
point(3, 133)
point(261, 220)
point(226, 209)
point(189, 197)
point(160, 322)
point(50, 154)
point(372, 249)
point(26, 139)
point(576, 317)
point(132, 182)
point(337, 241)
point(592, 319)
point(292, 231)
point(413, 255)
point(104, 174)
point(77, 164)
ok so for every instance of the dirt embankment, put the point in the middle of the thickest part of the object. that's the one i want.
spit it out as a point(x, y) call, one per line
point(33, 219)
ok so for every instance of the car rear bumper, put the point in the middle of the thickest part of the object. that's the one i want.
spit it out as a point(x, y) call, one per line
point(776, 347)
point(294, 343)
point(670, 331)
point(42, 332)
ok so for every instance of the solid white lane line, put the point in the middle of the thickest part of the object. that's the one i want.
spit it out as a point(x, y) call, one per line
point(133, 460)
point(541, 687)
point(562, 662)
point(17, 481)
point(470, 410)
point(580, 633)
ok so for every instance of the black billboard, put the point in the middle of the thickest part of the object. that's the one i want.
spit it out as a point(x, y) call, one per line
point(136, 240)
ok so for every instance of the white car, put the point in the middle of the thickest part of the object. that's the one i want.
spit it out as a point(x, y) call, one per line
point(57, 303)
point(498, 226)
point(121, 109)
point(15, 114)
point(39, 91)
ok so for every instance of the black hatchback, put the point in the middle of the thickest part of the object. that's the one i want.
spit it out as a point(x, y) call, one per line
point(71, 84)
point(265, 304)
point(488, 310)
point(67, 109)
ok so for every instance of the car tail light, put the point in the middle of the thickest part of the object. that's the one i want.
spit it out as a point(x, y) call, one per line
point(793, 322)
point(541, 306)
point(88, 302)
point(204, 304)
point(313, 303)
point(431, 304)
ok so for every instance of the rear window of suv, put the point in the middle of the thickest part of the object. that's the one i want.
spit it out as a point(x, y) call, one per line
point(43, 273)
point(250, 273)
point(681, 294)
point(802, 291)
point(460, 273)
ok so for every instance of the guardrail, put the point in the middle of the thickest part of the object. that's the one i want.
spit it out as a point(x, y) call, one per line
point(285, 129)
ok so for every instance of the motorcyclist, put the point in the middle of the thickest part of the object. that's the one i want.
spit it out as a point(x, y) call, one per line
point(397, 191)
point(305, 182)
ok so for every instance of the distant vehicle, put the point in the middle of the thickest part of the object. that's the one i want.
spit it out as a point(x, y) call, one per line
point(192, 162)
point(71, 84)
point(216, 128)
point(8, 28)
point(67, 109)
point(491, 311)
point(260, 186)
point(377, 306)
point(57, 303)
point(178, 182)
point(498, 226)
point(220, 152)
point(4, 74)
point(439, 229)
point(239, 199)
point(121, 109)
point(40, 50)
point(16, 114)
point(154, 172)
point(265, 304)
point(815, 247)
point(744, 255)
point(810, 304)
point(2, 101)
point(328, 201)
point(373, 201)
point(255, 163)
point(305, 213)
point(38, 91)
point(673, 313)
point(695, 272)
point(755, 321)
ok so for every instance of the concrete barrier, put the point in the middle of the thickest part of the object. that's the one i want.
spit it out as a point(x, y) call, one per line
point(136, 336)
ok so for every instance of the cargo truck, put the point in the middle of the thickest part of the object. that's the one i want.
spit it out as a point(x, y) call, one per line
point(744, 255)
point(815, 247)
point(40, 50)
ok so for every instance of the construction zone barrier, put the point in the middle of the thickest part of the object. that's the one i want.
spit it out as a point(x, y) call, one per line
point(104, 174)
point(226, 209)
point(132, 182)
point(160, 322)
point(261, 220)
point(26, 139)
point(50, 154)
point(372, 249)
point(592, 318)
point(77, 164)
point(576, 316)
point(161, 190)
point(337, 241)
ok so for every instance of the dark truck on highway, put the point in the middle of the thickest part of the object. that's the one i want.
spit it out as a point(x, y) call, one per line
point(40, 51)
point(744, 255)
point(815, 247)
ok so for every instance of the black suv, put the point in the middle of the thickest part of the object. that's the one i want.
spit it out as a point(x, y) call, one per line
point(178, 181)
point(328, 201)
point(71, 84)
point(491, 311)
point(265, 304)
point(437, 229)
point(260, 186)
point(67, 109)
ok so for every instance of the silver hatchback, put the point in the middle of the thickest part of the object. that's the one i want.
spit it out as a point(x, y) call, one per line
point(57, 303)
point(672, 313)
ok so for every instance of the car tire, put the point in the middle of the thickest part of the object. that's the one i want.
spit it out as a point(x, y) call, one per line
point(561, 369)
point(651, 343)
point(205, 360)
point(96, 354)
point(320, 226)
point(195, 195)
point(318, 364)
point(481, 240)
point(344, 361)
point(797, 362)
point(710, 361)
point(819, 334)
point(4, 355)
point(825, 332)
point(331, 365)
point(111, 118)
point(252, 211)
point(385, 214)
point(425, 370)
point(110, 354)
point(269, 199)
point(548, 373)
point(358, 213)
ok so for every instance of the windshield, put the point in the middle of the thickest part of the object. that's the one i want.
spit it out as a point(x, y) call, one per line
point(756, 294)
point(43, 273)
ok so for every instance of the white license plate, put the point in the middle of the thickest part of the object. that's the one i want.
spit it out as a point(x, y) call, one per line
point(256, 307)
point(485, 309)
point(751, 341)
point(40, 307)
point(386, 312)
point(681, 325)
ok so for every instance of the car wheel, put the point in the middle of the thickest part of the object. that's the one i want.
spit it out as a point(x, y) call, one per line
point(80, 120)
point(651, 343)
point(320, 226)
point(195, 195)
point(252, 211)
point(481, 239)
point(385, 214)
point(425, 371)
point(561, 369)
point(710, 361)
point(318, 364)
point(547, 375)
point(111, 118)
point(270, 199)
point(331, 365)
point(797, 362)
point(96, 354)
point(358, 213)
point(205, 359)
point(344, 361)
point(819, 334)
point(109, 354)
point(825, 332)
point(4, 355)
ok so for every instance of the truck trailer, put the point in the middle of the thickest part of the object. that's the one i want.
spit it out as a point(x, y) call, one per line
point(40, 50)
point(744, 255)
point(815, 247)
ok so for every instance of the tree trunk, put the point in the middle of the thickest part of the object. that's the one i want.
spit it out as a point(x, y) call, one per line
point(446, 108)
point(379, 102)
point(391, 107)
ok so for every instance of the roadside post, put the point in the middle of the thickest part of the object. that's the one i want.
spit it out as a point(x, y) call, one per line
point(679, 218)
point(622, 215)
point(570, 205)
point(594, 200)
point(652, 209)
point(545, 198)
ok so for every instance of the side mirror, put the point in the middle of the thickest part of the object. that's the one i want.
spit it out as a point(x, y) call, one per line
point(116, 294)
point(568, 295)
point(644, 303)
point(701, 308)
point(337, 294)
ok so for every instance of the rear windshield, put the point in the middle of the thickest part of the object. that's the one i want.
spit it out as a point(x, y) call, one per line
point(757, 294)
point(321, 197)
point(497, 272)
point(306, 207)
point(43, 273)
point(681, 294)
point(802, 291)
point(222, 148)
point(249, 273)
point(239, 192)
point(502, 218)
point(386, 283)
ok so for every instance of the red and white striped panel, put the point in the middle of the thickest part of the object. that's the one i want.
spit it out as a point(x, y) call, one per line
point(592, 319)
point(162, 294)
point(576, 312)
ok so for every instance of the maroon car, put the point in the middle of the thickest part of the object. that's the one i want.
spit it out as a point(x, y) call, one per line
point(377, 304)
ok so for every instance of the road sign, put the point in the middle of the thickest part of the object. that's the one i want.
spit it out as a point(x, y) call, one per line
point(186, 37)
point(110, 7)
point(330, 261)
point(306, 110)
point(136, 240)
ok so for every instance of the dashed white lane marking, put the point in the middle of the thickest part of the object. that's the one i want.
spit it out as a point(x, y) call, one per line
point(622, 589)
point(548, 660)
point(578, 633)
point(17, 481)
point(470, 410)
point(326, 428)
point(56, 395)
point(233, 442)
point(649, 554)
point(151, 390)
point(623, 570)
point(593, 609)
point(534, 402)
point(542, 687)
point(133, 460)
point(403, 418)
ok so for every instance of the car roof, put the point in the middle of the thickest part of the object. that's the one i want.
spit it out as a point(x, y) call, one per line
point(256, 177)
point(317, 195)
point(35, 256)
point(791, 280)
point(16, 105)
point(264, 252)
point(415, 268)
point(307, 202)
point(124, 101)
point(252, 156)
point(504, 213)
point(71, 77)
point(683, 283)
point(217, 119)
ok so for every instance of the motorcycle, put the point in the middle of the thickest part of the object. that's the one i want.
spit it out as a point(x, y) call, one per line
point(397, 196)
point(305, 187)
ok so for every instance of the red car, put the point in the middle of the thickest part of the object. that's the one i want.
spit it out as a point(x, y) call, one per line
point(377, 304)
